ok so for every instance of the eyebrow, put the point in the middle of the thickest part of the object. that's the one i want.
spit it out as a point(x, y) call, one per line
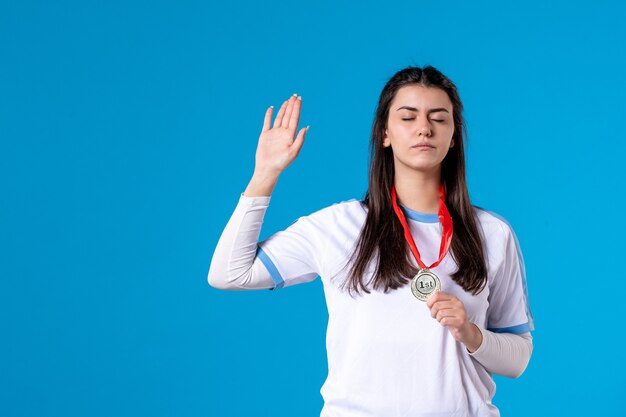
point(429, 111)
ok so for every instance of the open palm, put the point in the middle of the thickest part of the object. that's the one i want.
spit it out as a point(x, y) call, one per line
point(277, 147)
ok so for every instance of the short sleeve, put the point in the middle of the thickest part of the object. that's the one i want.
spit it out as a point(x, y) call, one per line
point(295, 255)
point(509, 310)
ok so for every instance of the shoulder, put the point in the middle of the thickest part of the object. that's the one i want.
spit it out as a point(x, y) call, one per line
point(341, 211)
point(345, 207)
point(496, 228)
point(349, 208)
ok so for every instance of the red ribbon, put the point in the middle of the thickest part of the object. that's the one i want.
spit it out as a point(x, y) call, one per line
point(444, 218)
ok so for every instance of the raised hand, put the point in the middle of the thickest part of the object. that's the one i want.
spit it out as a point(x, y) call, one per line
point(277, 147)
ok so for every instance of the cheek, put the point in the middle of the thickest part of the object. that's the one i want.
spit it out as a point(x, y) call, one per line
point(448, 133)
point(445, 150)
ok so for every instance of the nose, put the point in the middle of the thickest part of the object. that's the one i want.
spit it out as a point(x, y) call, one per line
point(423, 126)
point(424, 129)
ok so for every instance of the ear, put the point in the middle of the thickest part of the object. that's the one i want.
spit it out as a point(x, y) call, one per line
point(451, 144)
point(386, 142)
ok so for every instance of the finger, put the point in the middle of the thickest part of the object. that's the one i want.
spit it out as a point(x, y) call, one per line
point(445, 312)
point(268, 119)
point(453, 323)
point(437, 296)
point(450, 323)
point(295, 114)
point(287, 116)
point(440, 315)
point(297, 143)
point(441, 305)
point(279, 117)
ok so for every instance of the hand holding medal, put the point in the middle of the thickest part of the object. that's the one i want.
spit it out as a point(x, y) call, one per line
point(450, 312)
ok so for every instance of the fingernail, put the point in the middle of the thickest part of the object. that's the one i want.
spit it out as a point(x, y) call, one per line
point(299, 97)
point(307, 128)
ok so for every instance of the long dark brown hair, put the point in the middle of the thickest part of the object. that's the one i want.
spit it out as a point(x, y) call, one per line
point(382, 234)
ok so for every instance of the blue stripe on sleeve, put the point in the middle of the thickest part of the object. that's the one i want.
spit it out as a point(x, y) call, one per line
point(276, 277)
point(519, 329)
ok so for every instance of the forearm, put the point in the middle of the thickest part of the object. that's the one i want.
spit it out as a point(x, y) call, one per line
point(504, 354)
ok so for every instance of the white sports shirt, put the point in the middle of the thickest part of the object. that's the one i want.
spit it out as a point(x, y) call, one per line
point(386, 355)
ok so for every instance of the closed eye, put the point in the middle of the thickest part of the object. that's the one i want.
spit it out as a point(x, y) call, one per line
point(434, 120)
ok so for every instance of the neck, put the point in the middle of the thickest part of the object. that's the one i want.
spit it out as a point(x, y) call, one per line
point(419, 191)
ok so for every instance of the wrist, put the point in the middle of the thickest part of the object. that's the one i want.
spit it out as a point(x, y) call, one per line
point(474, 338)
point(266, 175)
point(262, 183)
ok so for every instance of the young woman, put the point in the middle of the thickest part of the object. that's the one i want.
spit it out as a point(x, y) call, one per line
point(426, 293)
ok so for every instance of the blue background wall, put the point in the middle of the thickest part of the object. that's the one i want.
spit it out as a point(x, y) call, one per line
point(128, 131)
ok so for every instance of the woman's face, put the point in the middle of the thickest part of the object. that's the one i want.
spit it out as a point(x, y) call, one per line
point(419, 128)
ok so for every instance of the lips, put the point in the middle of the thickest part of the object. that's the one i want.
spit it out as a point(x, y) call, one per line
point(422, 145)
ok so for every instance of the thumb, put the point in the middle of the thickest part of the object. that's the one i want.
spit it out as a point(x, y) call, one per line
point(297, 143)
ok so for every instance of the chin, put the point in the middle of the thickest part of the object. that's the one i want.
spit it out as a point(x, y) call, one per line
point(425, 165)
point(425, 169)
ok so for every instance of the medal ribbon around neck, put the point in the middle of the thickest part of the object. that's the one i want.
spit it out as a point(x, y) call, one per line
point(444, 218)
